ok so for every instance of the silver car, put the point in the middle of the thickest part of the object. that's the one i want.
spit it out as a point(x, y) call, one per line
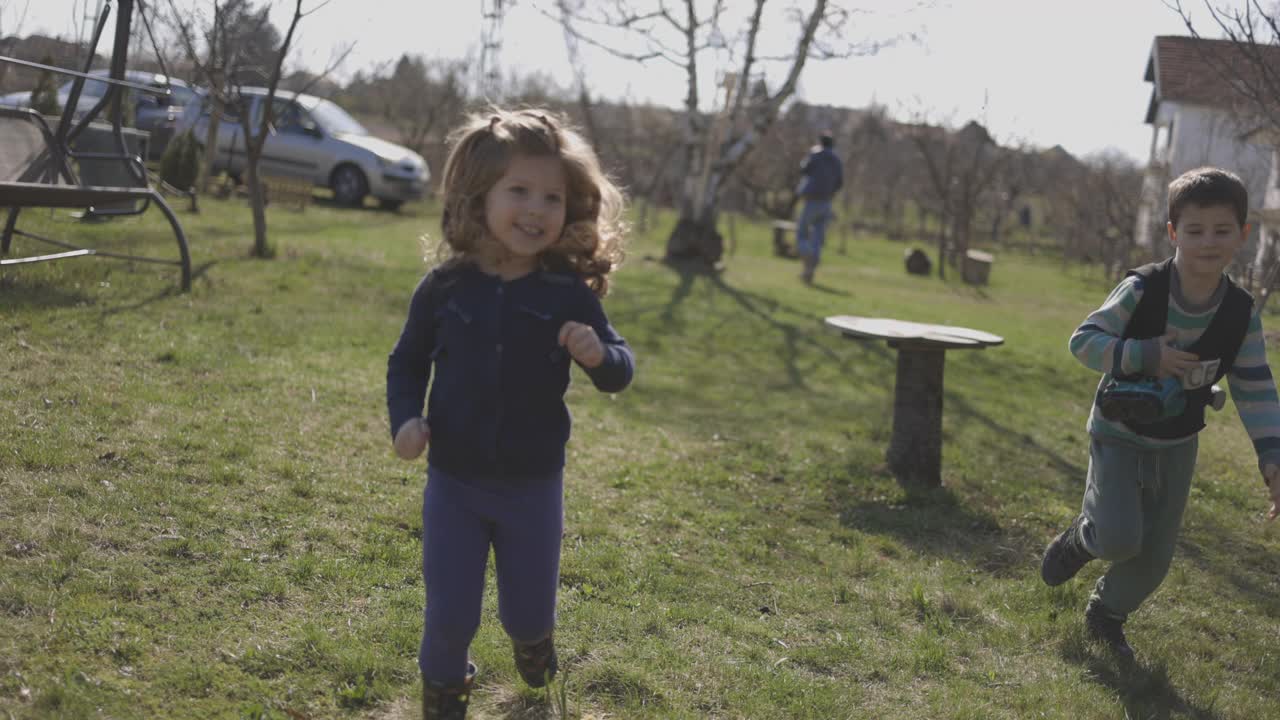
point(154, 113)
point(317, 141)
point(149, 109)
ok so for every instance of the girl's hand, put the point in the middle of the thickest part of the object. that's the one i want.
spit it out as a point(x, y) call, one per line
point(412, 438)
point(1272, 474)
point(1174, 362)
point(582, 343)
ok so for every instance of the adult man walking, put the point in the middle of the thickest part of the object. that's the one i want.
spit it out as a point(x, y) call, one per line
point(823, 176)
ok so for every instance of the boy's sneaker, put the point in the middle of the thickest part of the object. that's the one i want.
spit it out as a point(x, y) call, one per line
point(537, 662)
point(1107, 629)
point(447, 702)
point(1064, 557)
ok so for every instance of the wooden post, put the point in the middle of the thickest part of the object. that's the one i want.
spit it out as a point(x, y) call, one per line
point(915, 449)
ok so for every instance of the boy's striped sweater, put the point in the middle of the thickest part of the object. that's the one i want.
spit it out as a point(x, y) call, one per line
point(1097, 343)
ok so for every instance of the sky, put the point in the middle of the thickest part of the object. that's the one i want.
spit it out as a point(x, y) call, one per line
point(1042, 72)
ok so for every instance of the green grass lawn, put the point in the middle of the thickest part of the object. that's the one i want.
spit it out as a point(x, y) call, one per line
point(201, 516)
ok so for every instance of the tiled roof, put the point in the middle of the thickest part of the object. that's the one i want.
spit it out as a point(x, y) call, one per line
point(1188, 69)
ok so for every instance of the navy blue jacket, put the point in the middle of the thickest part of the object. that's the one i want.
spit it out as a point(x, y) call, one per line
point(497, 403)
point(823, 175)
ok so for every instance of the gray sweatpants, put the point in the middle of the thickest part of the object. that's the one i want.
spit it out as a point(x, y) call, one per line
point(1133, 503)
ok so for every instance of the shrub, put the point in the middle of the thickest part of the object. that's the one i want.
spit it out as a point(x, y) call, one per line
point(180, 164)
point(44, 96)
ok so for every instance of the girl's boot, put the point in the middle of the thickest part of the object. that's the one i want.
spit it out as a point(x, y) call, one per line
point(537, 662)
point(444, 702)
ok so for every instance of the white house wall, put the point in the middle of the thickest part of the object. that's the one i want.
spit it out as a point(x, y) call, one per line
point(1202, 136)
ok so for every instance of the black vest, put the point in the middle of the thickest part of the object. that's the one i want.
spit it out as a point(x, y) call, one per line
point(1220, 341)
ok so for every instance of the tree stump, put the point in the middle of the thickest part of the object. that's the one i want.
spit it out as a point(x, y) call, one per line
point(694, 239)
point(976, 267)
point(915, 449)
point(917, 261)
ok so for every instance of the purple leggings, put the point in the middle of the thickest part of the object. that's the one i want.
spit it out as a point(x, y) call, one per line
point(523, 520)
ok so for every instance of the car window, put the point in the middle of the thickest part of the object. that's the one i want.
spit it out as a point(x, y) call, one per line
point(92, 88)
point(230, 113)
point(146, 99)
point(290, 118)
point(335, 120)
point(182, 95)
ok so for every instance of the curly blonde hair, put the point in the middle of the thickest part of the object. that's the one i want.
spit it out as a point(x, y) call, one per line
point(591, 244)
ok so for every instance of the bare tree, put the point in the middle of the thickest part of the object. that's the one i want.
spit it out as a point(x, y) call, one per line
point(19, 16)
point(226, 35)
point(230, 64)
point(1251, 74)
point(256, 138)
point(962, 166)
point(579, 72)
point(638, 145)
point(234, 55)
point(883, 170)
point(771, 175)
point(422, 97)
point(1096, 210)
point(1252, 71)
point(690, 36)
point(1012, 184)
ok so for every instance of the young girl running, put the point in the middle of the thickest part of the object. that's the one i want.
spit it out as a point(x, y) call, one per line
point(532, 228)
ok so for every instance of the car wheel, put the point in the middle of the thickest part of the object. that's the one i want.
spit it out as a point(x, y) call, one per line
point(392, 204)
point(349, 185)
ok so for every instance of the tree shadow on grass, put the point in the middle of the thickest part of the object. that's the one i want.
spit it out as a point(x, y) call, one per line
point(1072, 474)
point(688, 272)
point(939, 522)
point(1221, 562)
point(764, 357)
point(1142, 687)
point(935, 522)
point(1209, 545)
point(766, 309)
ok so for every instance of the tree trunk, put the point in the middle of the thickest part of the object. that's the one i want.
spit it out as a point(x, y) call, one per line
point(210, 146)
point(915, 449)
point(960, 235)
point(695, 238)
point(260, 247)
point(695, 233)
point(943, 227)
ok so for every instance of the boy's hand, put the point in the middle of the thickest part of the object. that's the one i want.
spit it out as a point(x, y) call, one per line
point(1174, 362)
point(582, 343)
point(1272, 474)
point(412, 438)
